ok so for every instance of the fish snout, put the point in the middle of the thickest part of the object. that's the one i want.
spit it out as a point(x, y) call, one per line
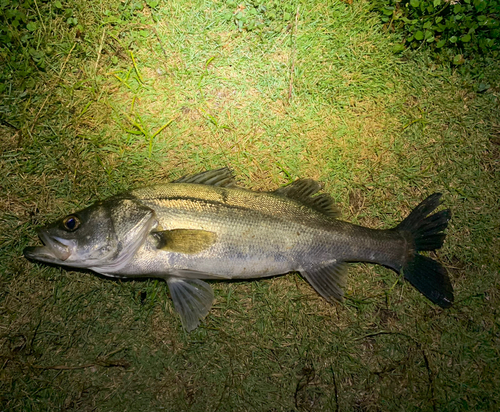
point(54, 248)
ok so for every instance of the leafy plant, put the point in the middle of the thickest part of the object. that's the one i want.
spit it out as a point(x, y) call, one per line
point(23, 38)
point(17, 34)
point(452, 28)
point(259, 15)
point(152, 3)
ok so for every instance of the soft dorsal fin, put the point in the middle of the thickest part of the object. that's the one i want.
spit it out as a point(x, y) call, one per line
point(184, 240)
point(303, 191)
point(192, 300)
point(329, 280)
point(218, 177)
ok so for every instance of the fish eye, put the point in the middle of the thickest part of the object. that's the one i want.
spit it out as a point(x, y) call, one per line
point(71, 223)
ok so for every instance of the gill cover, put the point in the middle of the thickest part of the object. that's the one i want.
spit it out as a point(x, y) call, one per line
point(101, 237)
point(132, 223)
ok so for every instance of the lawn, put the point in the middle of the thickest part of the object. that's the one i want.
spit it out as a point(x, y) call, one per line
point(104, 96)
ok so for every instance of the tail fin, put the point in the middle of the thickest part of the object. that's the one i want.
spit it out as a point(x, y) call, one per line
point(425, 274)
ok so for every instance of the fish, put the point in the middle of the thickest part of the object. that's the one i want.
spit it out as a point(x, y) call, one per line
point(205, 227)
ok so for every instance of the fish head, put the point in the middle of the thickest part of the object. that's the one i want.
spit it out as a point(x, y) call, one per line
point(100, 235)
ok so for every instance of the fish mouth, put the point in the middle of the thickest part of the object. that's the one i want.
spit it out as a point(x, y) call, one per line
point(54, 249)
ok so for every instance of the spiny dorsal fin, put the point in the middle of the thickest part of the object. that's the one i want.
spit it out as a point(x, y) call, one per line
point(192, 300)
point(219, 177)
point(188, 241)
point(329, 281)
point(303, 191)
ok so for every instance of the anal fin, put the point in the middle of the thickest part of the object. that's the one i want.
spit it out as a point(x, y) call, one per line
point(192, 300)
point(328, 280)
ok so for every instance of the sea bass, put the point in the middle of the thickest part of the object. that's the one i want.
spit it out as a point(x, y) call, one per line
point(204, 226)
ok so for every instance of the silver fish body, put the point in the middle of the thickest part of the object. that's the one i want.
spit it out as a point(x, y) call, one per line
point(204, 227)
point(257, 234)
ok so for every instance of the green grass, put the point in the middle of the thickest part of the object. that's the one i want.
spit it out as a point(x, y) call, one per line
point(125, 98)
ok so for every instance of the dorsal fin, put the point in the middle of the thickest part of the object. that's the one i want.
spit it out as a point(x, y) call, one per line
point(218, 177)
point(303, 191)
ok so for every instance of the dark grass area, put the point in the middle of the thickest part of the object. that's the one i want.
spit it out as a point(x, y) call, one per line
point(132, 95)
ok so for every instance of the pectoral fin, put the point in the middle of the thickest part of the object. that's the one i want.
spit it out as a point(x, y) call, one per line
point(185, 240)
point(192, 300)
point(329, 281)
